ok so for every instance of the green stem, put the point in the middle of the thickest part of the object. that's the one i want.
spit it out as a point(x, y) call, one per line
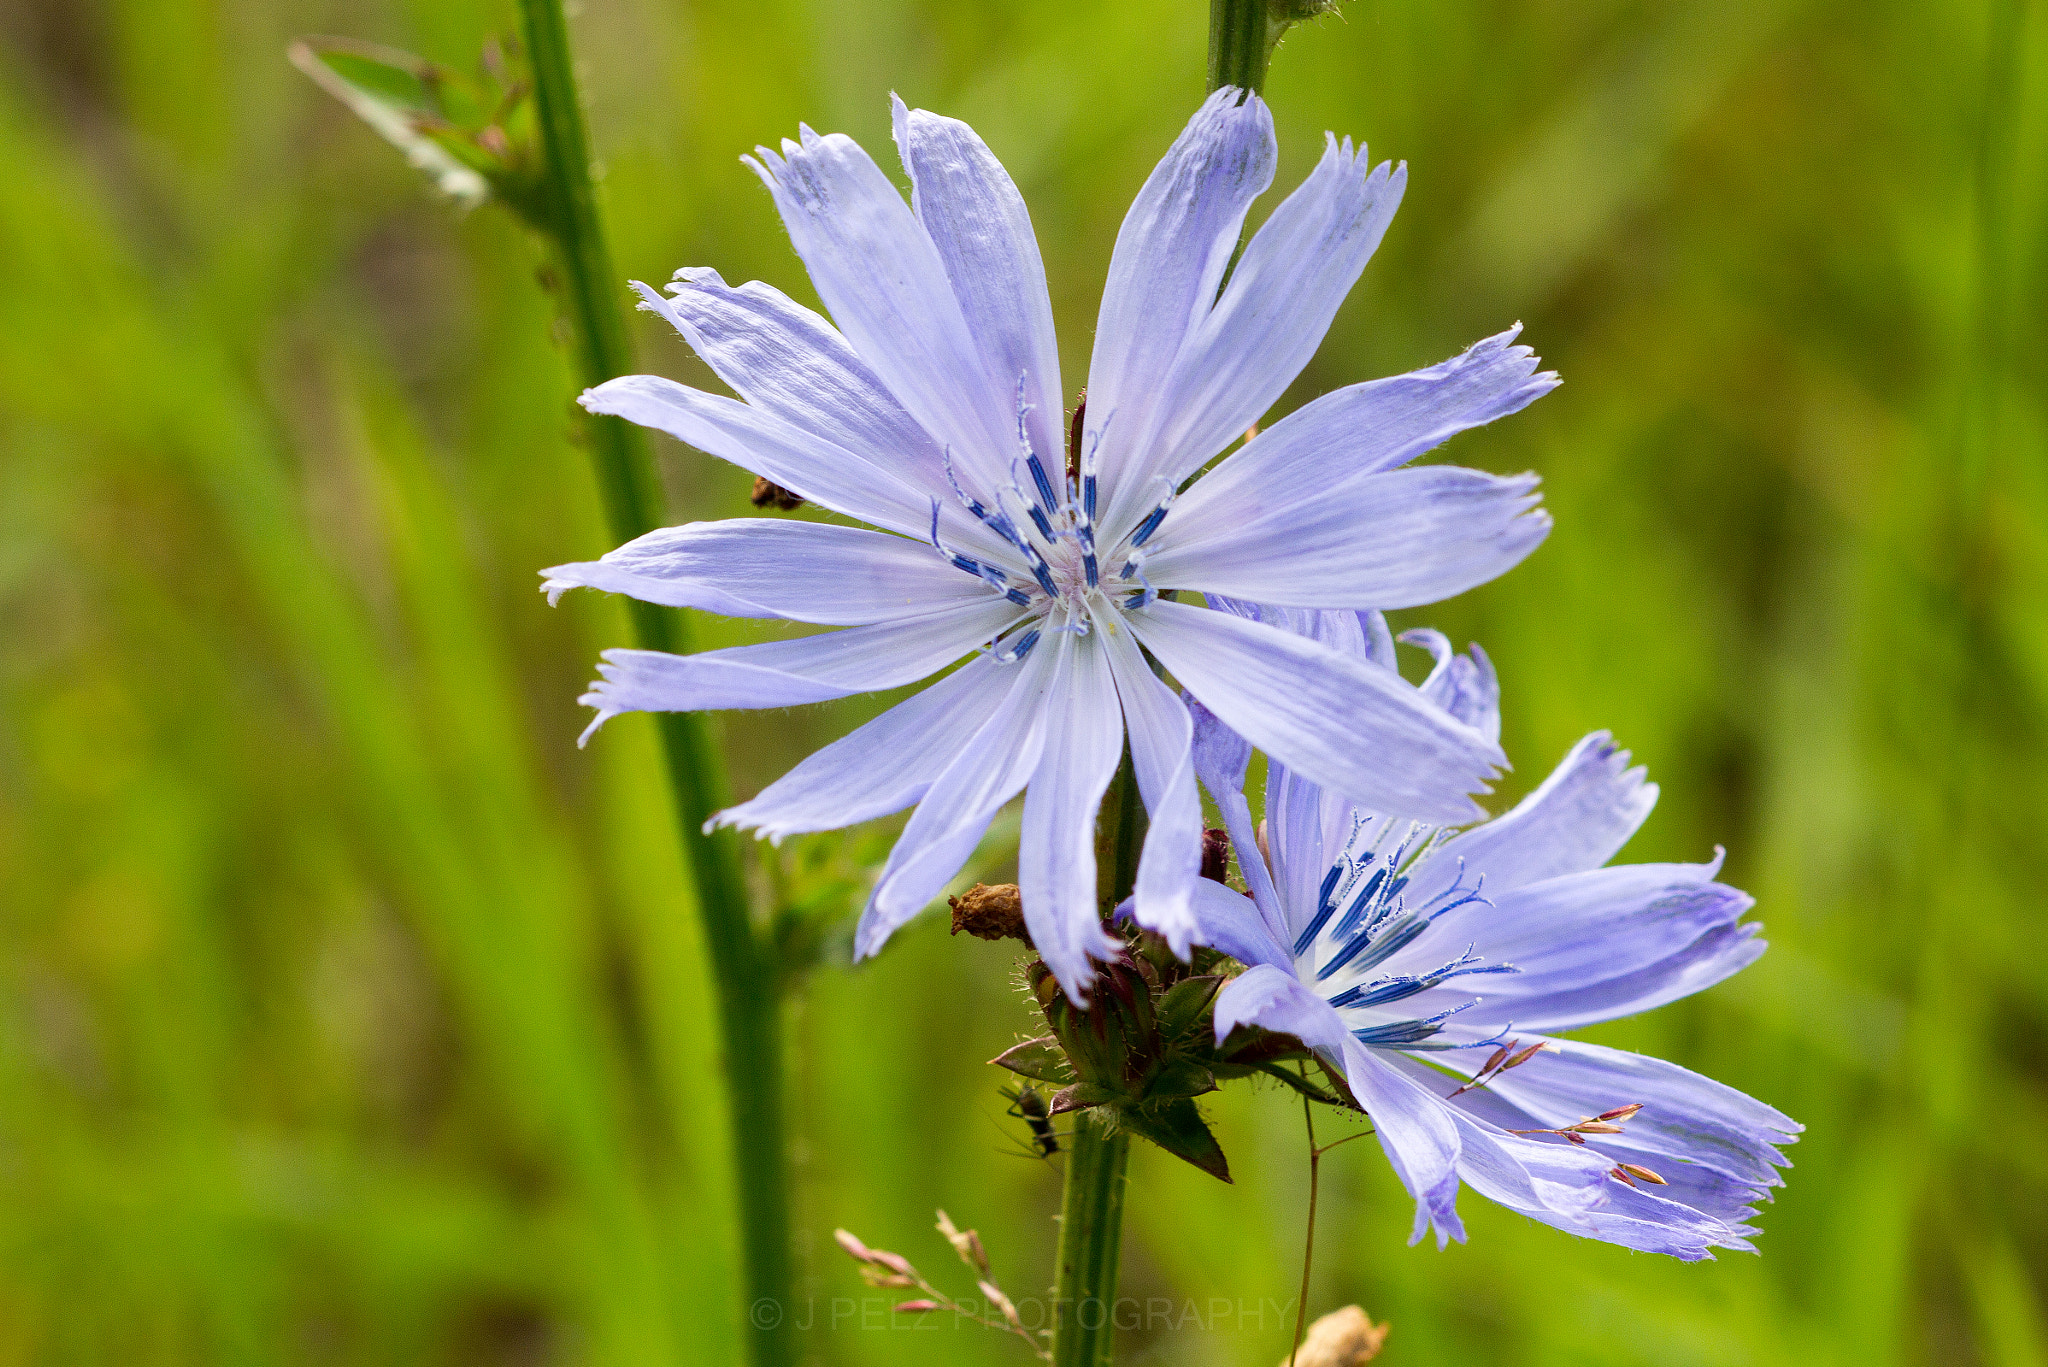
point(746, 977)
point(1092, 1205)
point(1091, 1242)
point(1241, 38)
point(1308, 1243)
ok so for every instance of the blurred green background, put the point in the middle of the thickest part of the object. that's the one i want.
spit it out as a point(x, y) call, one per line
point(349, 1014)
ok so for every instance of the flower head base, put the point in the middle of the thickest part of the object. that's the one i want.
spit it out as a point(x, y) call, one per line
point(1431, 965)
point(932, 412)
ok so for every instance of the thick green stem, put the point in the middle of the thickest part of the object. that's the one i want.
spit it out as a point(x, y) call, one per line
point(748, 984)
point(1241, 38)
point(1092, 1206)
point(1091, 1242)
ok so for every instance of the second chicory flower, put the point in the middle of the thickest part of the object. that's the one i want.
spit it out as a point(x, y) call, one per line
point(1432, 967)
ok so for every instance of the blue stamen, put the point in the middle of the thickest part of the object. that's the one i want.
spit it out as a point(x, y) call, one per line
point(1039, 520)
point(988, 574)
point(1355, 913)
point(1404, 985)
point(1038, 475)
point(1490, 1042)
point(1370, 951)
point(1144, 597)
point(1149, 525)
point(1325, 908)
point(1314, 928)
point(1400, 1033)
point(1041, 479)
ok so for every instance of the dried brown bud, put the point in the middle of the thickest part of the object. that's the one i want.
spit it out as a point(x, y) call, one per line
point(1342, 1338)
point(1216, 854)
point(1074, 436)
point(1620, 1112)
point(767, 493)
point(991, 912)
point(1525, 1055)
point(1644, 1173)
point(914, 1307)
point(1265, 847)
point(1596, 1127)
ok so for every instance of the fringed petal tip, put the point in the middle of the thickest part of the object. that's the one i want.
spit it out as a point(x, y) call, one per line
point(1501, 348)
point(1437, 1209)
point(1177, 930)
point(868, 940)
point(554, 588)
point(1077, 977)
point(696, 277)
point(737, 819)
point(604, 695)
point(650, 298)
point(604, 398)
point(604, 714)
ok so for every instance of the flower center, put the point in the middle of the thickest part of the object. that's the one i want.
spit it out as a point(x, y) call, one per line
point(1057, 573)
point(1362, 920)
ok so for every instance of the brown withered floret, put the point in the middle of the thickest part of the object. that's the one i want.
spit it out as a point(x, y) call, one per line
point(1216, 855)
point(990, 912)
point(1074, 436)
point(766, 493)
point(1343, 1338)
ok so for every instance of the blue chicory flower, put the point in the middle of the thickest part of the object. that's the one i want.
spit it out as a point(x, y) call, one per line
point(933, 412)
point(1432, 966)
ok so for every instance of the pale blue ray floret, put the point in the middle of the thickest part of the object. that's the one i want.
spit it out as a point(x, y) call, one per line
point(930, 409)
point(1431, 966)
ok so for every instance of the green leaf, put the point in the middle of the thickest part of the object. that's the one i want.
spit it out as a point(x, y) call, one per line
point(1177, 1126)
point(408, 101)
point(1181, 1077)
point(1040, 1058)
point(1249, 1047)
point(1185, 1003)
point(1081, 1096)
point(1300, 1084)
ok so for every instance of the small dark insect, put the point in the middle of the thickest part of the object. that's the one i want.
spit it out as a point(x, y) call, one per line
point(1028, 1105)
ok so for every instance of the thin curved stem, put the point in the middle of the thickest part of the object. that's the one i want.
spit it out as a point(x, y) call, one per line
point(1308, 1243)
point(747, 981)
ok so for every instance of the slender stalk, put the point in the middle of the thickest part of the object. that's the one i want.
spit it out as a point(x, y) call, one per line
point(1091, 1244)
point(1241, 38)
point(747, 982)
point(1308, 1244)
